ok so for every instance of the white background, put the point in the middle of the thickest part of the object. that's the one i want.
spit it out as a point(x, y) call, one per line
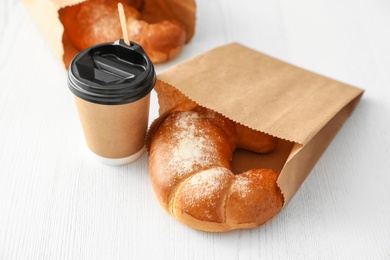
point(56, 202)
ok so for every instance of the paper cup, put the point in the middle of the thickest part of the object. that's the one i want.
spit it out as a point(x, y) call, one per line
point(112, 83)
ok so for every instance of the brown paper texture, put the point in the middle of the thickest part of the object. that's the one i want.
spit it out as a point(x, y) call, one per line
point(305, 110)
point(45, 15)
point(114, 131)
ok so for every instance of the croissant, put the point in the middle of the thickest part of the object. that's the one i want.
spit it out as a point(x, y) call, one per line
point(191, 175)
point(97, 21)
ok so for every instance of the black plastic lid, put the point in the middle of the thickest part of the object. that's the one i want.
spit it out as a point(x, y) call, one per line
point(112, 73)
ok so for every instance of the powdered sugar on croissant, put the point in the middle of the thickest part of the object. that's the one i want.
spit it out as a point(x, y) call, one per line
point(190, 154)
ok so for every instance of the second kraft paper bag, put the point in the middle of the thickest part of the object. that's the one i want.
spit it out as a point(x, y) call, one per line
point(303, 109)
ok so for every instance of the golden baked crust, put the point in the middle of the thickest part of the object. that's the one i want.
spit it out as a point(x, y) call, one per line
point(93, 22)
point(97, 21)
point(190, 154)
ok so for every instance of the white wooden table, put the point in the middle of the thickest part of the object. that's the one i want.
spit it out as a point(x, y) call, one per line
point(56, 202)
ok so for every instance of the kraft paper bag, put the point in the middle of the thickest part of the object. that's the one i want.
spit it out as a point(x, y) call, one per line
point(303, 109)
point(45, 14)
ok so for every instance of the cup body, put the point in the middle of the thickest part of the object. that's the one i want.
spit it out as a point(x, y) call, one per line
point(111, 84)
